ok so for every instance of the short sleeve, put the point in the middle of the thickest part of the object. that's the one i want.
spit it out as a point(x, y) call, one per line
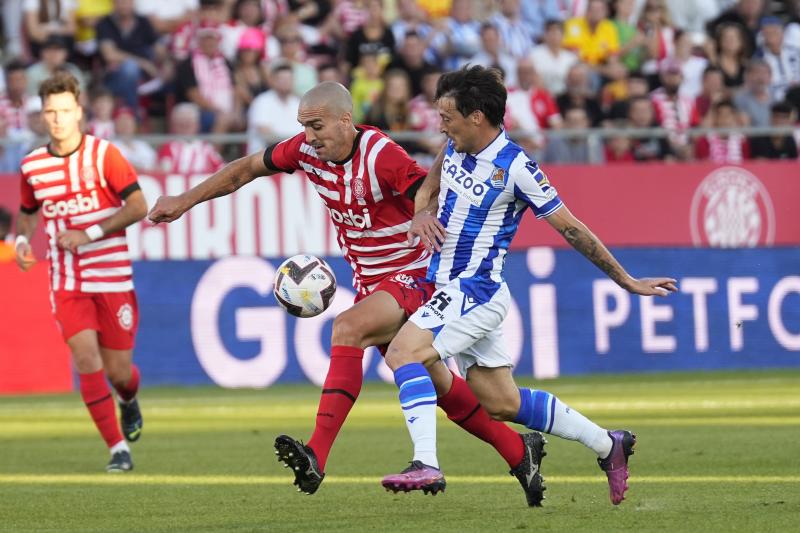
point(285, 155)
point(532, 186)
point(28, 202)
point(120, 175)
point(396, 168)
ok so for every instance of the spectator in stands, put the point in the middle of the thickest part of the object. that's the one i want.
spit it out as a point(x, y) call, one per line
point(731, 53)
point(128, 46)
point(616, 83)
point(373, 37)
point(492, 55)
point(781, 146)
point(185, 39)
point(206, 79)
point(656, 25)
point(13, 102)
point(519, 109)
point(366, 86)
point(88, 14)
point(12, 29)
point(166, 16)
point(636, 85)
point(140, 154)
point(574, 150)
point(792, 32)
point(746, 14)
point(618, 149)
point(712, 90)
point(247, 17)
point(536, 14)
point(754, 99)
point(552, 60)
point(12, 152)
point(293, 53)
point(390, 112)
point(783, 58)
point(516, 36)
point(641, 115)
point(460, 38)
point(593, 37)
point(631, 39)
point(185, 156)
point(330, 72)
point(273, 114)
point(311, 13)
point(412, 60)
point(435, 9)
point(54, 53)
point(692, 16)
point(723, 148)
point(101, 123)
point(412, 19)
point(44, 18)
point(424, 115)
point(250, 76)
point(346, 18)
point(579, 93)
point(674, 112)
point(692, 65)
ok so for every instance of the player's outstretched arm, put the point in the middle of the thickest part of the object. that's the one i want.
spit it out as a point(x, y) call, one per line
point(26, 223)
point(582, 239)
point(425, 225)
point(223, 182)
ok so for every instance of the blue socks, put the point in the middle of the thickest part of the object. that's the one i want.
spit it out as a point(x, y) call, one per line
point(418, 400)
point(544, 412)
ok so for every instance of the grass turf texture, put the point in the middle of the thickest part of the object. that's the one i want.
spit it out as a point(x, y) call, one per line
point(716, 452)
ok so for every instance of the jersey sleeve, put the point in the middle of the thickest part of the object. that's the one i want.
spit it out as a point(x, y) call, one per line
point(531, 185)
point(120, 175)
point(397, 169)
point(28, 202)
point(284, 156)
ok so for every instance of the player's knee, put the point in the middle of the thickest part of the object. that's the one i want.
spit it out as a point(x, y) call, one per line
point(347, 331)
point(86, 360)
point(118, 373)
point(498, 410)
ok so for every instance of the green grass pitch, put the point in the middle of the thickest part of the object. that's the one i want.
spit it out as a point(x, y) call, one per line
point(716, 452)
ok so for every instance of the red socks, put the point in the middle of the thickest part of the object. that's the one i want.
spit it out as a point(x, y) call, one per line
point(339, 393)
point(463, 408)
point(129, 390)
point(97, 397)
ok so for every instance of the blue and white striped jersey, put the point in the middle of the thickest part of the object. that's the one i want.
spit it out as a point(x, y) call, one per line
point(481, 202)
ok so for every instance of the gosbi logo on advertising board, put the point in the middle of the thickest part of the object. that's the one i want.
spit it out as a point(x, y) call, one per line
point(731, 208)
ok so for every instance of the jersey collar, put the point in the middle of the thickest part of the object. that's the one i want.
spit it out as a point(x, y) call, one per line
point(356, 142)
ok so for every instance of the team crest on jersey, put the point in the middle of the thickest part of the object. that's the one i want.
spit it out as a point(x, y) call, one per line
point(88, 176)
point(125, 316)
point(358, 188)
point(498, 178)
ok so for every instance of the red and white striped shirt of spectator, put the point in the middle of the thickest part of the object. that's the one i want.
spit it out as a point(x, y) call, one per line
point(214, 80)
point(733, 150)
point(675, 114)
point(104, 129)
point(189, 157)
point(74, 192)
point(350, 16)
point(424, 116)
point(16, 116)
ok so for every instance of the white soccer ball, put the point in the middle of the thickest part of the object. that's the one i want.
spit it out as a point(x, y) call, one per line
point(304, 285)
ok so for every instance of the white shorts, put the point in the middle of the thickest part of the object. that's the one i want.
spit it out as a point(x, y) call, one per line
point(466, 318)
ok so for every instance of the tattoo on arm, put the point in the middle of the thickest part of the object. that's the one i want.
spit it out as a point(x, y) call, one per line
point(583, 240)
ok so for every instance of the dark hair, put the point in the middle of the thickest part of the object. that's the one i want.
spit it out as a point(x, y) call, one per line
point(781, 108)
point(711, 69)
point(475, 88)
point(725, 102)
point(549, 23)
point(15, 65)
point(61, 82)
point(280, 67)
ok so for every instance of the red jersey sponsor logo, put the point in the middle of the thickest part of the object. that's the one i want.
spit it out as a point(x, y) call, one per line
point(80, 203)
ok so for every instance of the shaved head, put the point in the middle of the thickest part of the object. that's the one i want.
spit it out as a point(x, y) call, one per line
point(330, 95)
point(326, 114)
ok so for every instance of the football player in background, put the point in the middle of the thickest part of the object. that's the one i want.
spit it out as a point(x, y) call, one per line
point(367, 182)
point(88, 194)
point(485, 184)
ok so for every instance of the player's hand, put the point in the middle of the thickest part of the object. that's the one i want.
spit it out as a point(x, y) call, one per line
point(25, 258)
point(167, 209)
point(71, 239)
point(430, 231)
point(653, 286)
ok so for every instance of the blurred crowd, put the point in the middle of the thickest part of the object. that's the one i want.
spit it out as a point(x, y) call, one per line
point(227, 66)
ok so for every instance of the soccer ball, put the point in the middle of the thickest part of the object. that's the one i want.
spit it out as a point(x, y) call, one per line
point(304, 285)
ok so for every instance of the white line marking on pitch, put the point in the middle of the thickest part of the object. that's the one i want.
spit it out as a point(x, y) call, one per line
point(137, 479)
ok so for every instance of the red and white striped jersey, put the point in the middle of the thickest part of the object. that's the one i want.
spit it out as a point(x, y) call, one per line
point(365, 196)
point(189, 157)
point(16, 116)
point(74, 192)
